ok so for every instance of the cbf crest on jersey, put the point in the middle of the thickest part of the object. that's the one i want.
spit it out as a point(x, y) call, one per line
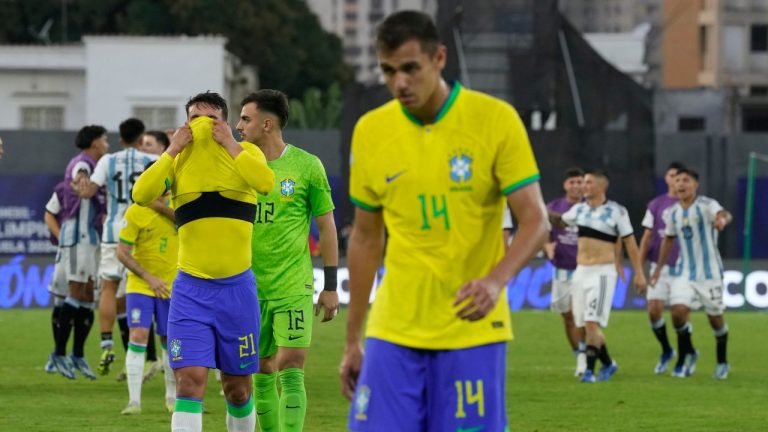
point(174, 348)
point(287, 189)
point(461, 170)
point(362, 398)
point(135, 315)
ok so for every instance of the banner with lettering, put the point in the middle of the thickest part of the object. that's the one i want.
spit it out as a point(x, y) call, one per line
point(22, 206)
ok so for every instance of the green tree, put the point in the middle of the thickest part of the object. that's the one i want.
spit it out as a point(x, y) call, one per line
point(317, 110)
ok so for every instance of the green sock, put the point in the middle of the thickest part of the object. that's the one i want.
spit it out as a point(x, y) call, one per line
point(266, 400)
point(293, 399)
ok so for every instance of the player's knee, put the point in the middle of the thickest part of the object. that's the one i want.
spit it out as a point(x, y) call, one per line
point(237, 393)
point(139, 335)
point(190, 384)
point(291, 358)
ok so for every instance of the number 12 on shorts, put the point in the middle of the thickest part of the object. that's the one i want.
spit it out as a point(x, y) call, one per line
point(246, 344)
point(465, 395)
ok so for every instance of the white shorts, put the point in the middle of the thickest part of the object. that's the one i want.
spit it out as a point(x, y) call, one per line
point(562, 286)
point(80, 262)
point(593, 288)
point(121, 288)
point(661, 290)
point(59, 285)
point(110, 267)
point(707, 293)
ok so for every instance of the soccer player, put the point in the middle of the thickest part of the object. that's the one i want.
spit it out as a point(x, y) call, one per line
point(282, 263)
point(561, 250)
point(435, 167)
point(695, 221)
point(149, 249)
point(79, 255)
point(213, 321)
point(650, 244)
point(600, 224)
point(116, 172)
point(154, 142)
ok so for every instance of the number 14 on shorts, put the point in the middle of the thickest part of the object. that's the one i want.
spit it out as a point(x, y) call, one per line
point(468, 394)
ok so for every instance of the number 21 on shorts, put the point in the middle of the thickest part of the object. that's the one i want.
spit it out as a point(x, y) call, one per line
point(246, 345)
point(466, 395)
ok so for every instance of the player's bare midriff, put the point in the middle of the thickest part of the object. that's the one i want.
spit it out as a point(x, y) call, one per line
point(594, 252)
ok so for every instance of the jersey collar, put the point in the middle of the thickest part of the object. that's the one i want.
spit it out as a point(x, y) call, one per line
point(455, 88)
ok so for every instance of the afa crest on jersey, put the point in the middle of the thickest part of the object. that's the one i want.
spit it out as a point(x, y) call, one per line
point(461, 170)
point(174, 348)
point(287, 189)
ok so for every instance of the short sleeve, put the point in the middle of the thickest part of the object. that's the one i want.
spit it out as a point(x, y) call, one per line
point(130, 231)
point(54, 205)
point(570, 216)
point(623, 224)
point(515, 165)
point(80, 166)
point(669, 223)
point(320, 201)
point(99, 175)
point(712, 209)
point(648, 219)
point(361, 191)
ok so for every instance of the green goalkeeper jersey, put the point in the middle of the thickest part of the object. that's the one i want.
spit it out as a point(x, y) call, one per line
point(281, 260)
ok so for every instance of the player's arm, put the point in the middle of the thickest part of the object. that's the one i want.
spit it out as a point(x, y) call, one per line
point(252, 165)
point(618, 260)
point(125, 255)
point(160, 206)
point(154, 181)
point(664, 250)
point(481, 295)
point(84, 187)
point(366, 248)
point(637, 262)
point(329, 250)
point(722, 219)
point(52, 223)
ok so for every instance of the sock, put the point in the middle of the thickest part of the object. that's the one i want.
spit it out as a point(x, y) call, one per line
point(684, 342)
point(592, 352)
point(187, 415)
point(660, 330)
point(122, 322)
point(241, 418)
point(106, 340)
point(605, 359)
point(83, 323)
point(582, 347)
point(266, 400)
point(134, 367)
point(721, 337)
point(55, 320)
point(151, 347)
point(66, 320)
point(170, 380)
point(293, 400)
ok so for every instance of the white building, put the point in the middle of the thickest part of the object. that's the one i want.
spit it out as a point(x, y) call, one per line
point(355, 21)
point(625, 51)
point(106, 79)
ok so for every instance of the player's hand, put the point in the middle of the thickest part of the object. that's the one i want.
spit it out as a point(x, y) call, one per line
point(655, 277)
point(157, 285)
point(328, 301)
point(349, 370)
point(640, 283)
point(180, 140)
point(480, 296)
point(720, 222)
point(158, 205)
point(620, 272)
point(222, 134)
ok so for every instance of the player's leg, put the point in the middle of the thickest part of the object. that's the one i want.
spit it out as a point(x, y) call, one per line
point(66, 322)
point(681, 296)
point(162, 307)
point(466, 389)
point(141, 309)
point(155, 366)
point(561, 303)
point(711, 297)
point(657, 295)
point(579, 290)
point(237, 321)
point(107, 312)
point(399, 403)
point(82, 328)
point(265, 395)
point(59, 289)
point(599, 299)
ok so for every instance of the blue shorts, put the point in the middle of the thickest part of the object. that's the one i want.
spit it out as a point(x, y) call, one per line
point(414, 390)
point(214, 323)
point(141, 308)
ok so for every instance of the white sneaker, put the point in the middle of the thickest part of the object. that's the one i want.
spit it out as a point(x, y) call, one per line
point(581, 363)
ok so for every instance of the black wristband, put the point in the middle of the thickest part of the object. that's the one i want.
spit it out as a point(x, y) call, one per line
point(330, 278)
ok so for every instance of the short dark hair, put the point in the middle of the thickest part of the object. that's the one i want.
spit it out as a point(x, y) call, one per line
point(573, 172)
point(208, 98)
point(690, 171)
point(161, 137)
point(597, 172)
point(271, 101)
point(131, 130)
point(401, 27)
point(87, 134)
point(677, 166)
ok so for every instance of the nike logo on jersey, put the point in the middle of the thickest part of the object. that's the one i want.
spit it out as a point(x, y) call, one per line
point(245, 365)
point(294, 337)
point(390, 179)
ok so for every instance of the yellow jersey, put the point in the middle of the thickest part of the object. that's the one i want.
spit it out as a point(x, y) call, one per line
point(441, 188)
point(155, 247)
point(215, 200)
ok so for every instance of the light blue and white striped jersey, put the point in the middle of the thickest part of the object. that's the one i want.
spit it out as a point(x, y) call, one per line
point(610, 219)
point(81, 227)
point(695, 230)
point(118, 171)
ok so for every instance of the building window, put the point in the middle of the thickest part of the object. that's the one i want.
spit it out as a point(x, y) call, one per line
point(376, 4)
point(157, 117)
point(758, 90)
point(350, 33)
point(42, 117)
point(759, 38)
point(691, 124)
point(350, 16)
point(352, 51)
point(755, 119)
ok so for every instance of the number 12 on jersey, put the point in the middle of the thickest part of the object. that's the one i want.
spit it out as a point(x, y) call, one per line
point(435, 213)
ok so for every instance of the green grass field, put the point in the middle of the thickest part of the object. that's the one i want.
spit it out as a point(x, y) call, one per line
point(542, 393)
